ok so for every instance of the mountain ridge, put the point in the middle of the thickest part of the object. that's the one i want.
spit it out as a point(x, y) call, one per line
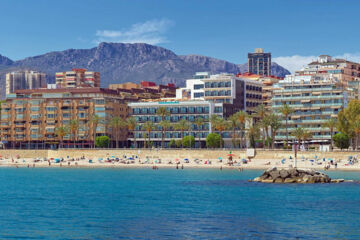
point(125, 62)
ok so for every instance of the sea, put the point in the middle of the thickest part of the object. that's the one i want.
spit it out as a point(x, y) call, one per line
point(60, 203)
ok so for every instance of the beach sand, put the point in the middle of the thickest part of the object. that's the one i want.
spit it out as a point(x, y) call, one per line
point(136, 162)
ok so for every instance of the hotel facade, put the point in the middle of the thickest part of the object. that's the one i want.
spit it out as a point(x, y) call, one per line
point(29, 118)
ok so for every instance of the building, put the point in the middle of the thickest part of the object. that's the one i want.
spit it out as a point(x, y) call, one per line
point(313, 102)
point(76, 78)
point(29, 118)
point(24, 80)
point(178, 109)
point(259, 62)
point(268, 86)
point(237, 93)
point(144, 90)
point(335, 69)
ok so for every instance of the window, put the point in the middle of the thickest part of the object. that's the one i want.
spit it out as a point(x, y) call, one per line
point(198, 94)
point(198, 86)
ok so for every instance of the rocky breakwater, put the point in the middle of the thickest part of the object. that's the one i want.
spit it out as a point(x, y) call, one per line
point(293, 175)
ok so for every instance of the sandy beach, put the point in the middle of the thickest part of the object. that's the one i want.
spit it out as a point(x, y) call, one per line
point(134, 161)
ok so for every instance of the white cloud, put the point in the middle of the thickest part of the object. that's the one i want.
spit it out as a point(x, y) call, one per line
point(151, 32)
point(296, 62)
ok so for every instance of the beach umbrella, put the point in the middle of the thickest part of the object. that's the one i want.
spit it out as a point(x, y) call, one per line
point(186, 159)
point(220, 158)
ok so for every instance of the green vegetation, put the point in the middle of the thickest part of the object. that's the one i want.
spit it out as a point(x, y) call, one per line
point(213, 140)
point(102, 141)
point(341, 140)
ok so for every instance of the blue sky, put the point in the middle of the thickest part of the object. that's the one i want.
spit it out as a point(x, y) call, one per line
point(295, 31)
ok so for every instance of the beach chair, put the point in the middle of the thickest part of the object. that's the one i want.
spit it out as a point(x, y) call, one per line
point(283, 161)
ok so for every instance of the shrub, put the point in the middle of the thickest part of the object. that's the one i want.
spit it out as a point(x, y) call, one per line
point(102, 141)
point(178, 143)
point(341, 140)
point(213, 140)
point(187, 140)
point(172, 143)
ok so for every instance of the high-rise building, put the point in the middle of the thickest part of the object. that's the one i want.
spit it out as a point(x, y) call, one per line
point(259, 62)
point(78, 77)
point(24, 80)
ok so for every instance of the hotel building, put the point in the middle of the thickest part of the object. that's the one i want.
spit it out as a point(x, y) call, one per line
point(259, 62)
point(24, 80)
point(29, 118)
point(236, 93)
point(76, 78)
point(178, 109)
point(313, 101)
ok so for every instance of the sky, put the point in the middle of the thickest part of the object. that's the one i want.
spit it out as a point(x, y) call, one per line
point(294, 31)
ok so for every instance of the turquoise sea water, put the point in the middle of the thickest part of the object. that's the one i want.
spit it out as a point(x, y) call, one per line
point(172, 204)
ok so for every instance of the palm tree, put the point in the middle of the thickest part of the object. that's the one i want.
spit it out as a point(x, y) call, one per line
point(162, 112)
point(331, 124)
point(221, 126)
point(73, 128)
point(252, 133)
point(182, 126)
point(95, 121)
point(356, 127)
point(298, 133)
point(132, 124)
point(165, 125)
point(213, 119)
point(199, 122)
point(242, 117)
point(148, 127)
point(61, 133)
point(233, 124)
point(286, 111)
point(275, 124)
point(261, 113)
point(116, 125)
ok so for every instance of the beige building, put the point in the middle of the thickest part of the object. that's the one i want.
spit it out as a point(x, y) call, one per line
point(24, 80)
point(29, 118)
point(78, 77)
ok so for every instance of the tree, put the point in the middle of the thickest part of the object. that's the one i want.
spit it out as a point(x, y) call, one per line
point(242, 117)
point(341, 140)
point(298, 134)
point(95, 121)
point(356, 129)
point(275, 124)
point(199, 122)
point(286, 111)
point(331, 124)
point(162, 112)
point(213, 119)
point(233, 124)
point(182, 126)
point(73, 128)
point(262, 114)
point(102, 141)
point(347, 120)
point(132, 124)
point(172, 143)
point(188, 141)
point(221, 125)
point(148, 127)
point(61, 133)
point(213, 140)
point(253, 133)
point(165, 125)
point(116, 125)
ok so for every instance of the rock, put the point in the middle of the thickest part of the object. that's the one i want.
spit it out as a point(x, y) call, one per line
point(257, 179)
point(293, 172)
point(274, 174)
point(284, 173)
point(267, 181)
point(290, 180)
point(279, 180)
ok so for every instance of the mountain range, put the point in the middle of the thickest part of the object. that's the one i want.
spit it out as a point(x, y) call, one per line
point(124, 62)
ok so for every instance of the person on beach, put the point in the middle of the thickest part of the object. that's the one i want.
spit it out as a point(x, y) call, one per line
point(220, 168)
point(182, 166)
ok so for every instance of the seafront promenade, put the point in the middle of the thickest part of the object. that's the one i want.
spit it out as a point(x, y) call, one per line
point(344, 160)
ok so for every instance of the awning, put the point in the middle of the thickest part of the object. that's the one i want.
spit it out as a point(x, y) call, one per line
point(305, 100)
